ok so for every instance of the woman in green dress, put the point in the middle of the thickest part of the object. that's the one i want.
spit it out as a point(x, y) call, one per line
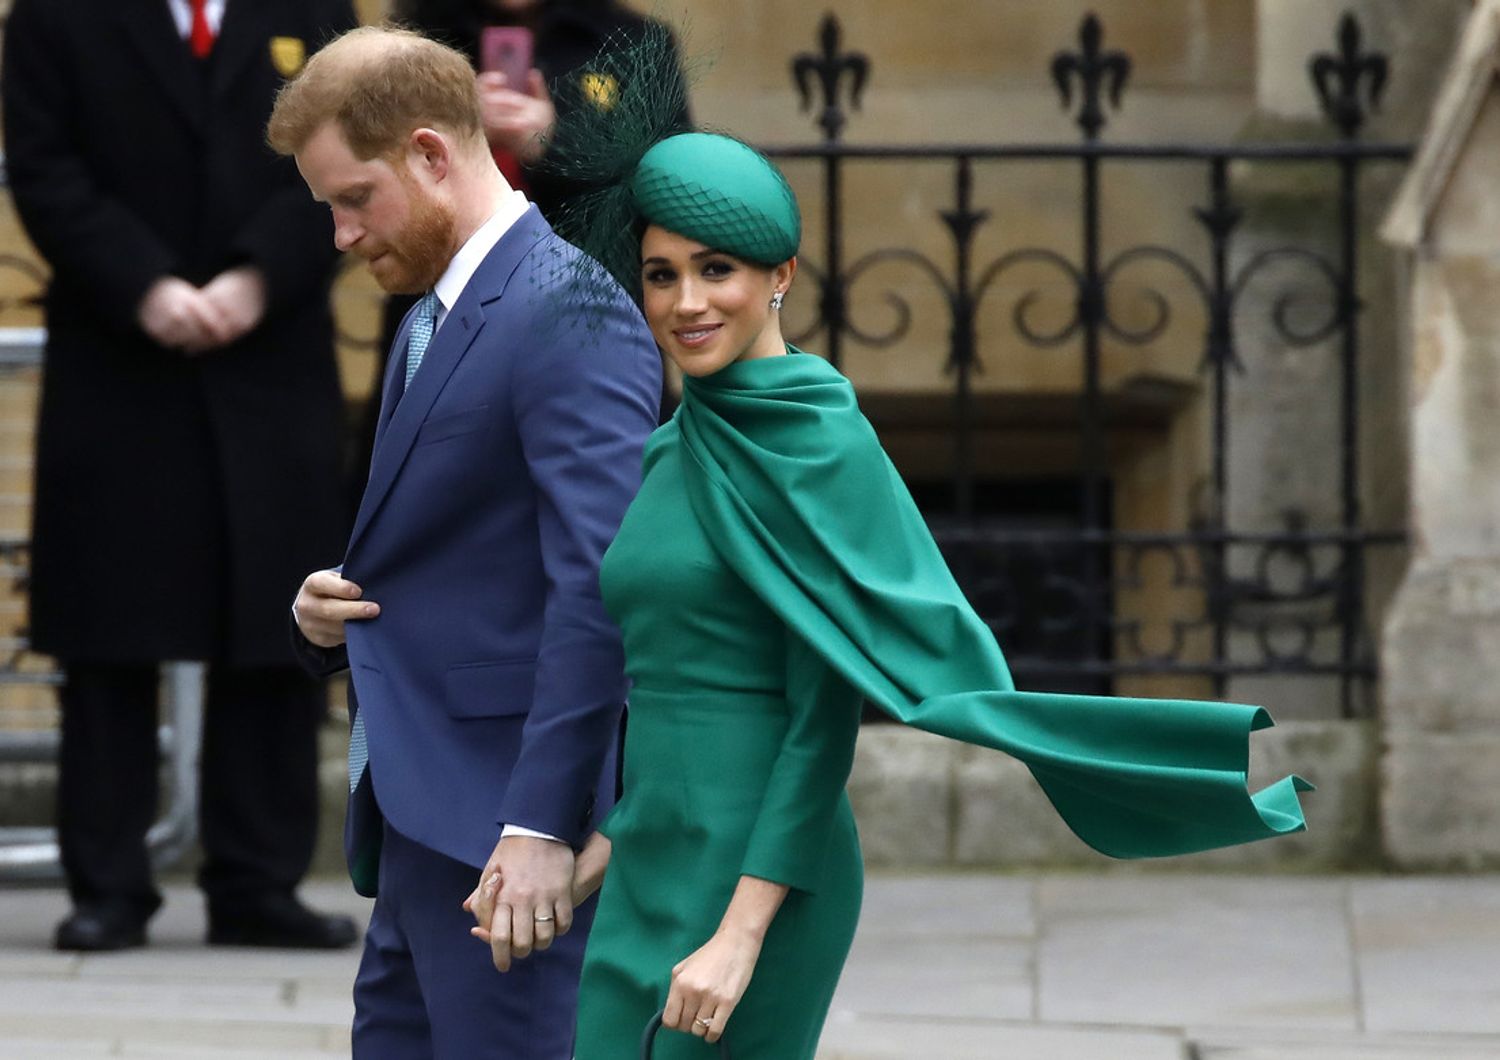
point(772, 573)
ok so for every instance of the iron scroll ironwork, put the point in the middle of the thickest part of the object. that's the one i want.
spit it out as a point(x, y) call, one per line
point(1287, 600)
point(1280, 600)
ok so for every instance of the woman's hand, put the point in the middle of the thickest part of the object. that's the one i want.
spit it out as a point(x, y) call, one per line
point(481, 902)
point(588, 869)
point(709, 984)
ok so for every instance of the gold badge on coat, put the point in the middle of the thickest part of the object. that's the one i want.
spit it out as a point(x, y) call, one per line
point(602, 90)
point(288, 54)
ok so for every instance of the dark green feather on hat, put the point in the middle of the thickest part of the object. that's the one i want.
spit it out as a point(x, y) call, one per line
point(638, 166)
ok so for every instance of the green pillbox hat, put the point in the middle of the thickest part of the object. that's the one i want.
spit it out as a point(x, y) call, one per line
point(721, 193)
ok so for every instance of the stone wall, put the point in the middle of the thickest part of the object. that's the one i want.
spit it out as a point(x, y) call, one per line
point(925, 800)
point(1441, 651)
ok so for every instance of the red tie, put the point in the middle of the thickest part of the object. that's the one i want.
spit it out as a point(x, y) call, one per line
point(200, 37)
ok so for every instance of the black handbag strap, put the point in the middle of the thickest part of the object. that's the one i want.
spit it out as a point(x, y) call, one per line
point(648, 1040)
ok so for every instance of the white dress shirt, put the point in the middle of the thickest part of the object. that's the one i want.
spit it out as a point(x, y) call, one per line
point(476, 248)
point(182, 14)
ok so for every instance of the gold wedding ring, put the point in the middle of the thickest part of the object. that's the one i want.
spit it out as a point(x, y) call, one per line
point(540, 919)
point(700, 1021)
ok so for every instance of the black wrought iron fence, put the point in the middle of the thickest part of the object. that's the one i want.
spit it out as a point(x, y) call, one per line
point(1286, 601)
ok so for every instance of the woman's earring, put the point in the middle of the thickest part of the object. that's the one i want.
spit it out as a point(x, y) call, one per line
point(776, 300)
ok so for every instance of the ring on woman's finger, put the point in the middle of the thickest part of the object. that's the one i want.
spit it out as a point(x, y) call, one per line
point(701, 1022)
point(543, 918)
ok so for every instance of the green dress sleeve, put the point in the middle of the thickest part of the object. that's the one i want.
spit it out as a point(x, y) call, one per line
point(789, 481)
point(790, 837)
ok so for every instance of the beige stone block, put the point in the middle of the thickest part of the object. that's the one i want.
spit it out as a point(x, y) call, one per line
point(19, 397)
point(902, 792)
point(27, 706)
point(15, 514)
point(1340, 759)
point(1467, 217)
point(1455, 365)
point(1001, 816)
point(1439, 807)
point(1441, 650)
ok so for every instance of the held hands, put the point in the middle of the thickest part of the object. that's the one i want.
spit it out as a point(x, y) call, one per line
point(524, 899)
point(588, 874)
point(516, 119)
point(324, 603)
point(192, 319)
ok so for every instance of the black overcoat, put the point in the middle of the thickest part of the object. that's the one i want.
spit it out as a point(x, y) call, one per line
point(179, 500)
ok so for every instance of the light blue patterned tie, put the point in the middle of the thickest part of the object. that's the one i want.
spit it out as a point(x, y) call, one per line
point(423, 324)
point(359, 750)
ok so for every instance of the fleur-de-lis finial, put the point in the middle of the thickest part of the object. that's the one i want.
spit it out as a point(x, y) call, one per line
point(1338, 78)
point(829, 68)
point(1093, 66)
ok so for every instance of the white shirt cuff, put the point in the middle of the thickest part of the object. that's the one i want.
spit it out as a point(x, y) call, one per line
point(530, 833)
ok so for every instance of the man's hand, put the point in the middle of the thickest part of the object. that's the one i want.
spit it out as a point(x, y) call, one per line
point(181, 317)
point(325, 602)
point(517, 118)
point(239, 295)
point(532, 900)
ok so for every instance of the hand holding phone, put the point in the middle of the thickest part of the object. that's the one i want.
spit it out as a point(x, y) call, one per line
point(513, 100)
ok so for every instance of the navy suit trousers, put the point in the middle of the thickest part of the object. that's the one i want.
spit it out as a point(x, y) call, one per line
point(427, 989)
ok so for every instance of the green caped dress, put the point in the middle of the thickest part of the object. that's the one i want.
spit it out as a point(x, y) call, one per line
point(772, 571)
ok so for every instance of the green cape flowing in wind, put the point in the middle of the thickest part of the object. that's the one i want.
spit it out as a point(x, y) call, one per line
point(793, 488)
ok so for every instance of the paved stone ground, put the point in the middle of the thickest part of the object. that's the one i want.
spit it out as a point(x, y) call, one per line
point(1121, 966)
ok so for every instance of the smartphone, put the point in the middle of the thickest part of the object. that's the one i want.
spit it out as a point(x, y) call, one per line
point(506, 50)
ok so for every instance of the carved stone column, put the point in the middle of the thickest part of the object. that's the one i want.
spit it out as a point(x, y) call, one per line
point(1440, 711)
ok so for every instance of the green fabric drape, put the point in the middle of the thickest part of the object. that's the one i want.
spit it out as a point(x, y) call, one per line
point(791, 485)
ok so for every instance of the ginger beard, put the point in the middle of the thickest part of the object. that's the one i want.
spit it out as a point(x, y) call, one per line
point(416, 257)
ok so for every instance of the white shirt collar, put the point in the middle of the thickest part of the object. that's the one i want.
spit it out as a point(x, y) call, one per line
point(475, 249)
point(182, 14)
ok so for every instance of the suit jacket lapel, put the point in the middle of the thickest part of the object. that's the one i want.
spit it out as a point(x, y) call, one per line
point(461, 327)
point(240, 39)
point(149, 27)
point(393, 385)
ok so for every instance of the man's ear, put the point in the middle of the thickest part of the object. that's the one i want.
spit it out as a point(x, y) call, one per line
point(429, 152)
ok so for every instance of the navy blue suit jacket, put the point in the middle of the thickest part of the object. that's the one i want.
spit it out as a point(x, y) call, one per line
point(492, 682)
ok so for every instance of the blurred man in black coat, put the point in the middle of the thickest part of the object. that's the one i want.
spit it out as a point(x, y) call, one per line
point(187, 469)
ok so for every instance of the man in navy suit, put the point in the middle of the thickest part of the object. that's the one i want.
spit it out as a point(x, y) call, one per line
point(487, 680)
